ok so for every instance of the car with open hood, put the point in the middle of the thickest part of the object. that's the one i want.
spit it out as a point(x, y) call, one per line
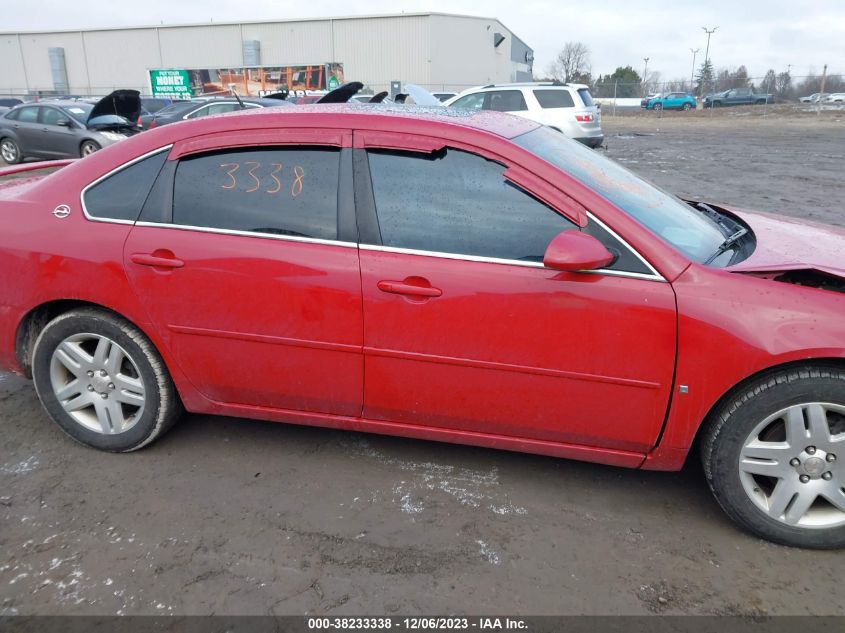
point(67, 128)
point(435, 273)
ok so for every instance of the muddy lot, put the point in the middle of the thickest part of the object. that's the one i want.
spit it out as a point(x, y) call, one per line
point(231, 516)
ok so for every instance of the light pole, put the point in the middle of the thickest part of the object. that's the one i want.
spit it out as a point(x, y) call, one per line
point(645, 73)
point(707, 50)
point(694, 52)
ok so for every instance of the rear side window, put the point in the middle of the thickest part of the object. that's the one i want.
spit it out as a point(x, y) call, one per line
point(586, 97)
point(505, 101)
point(472, 102)
point(283, 191)
point(457, 202)
point(554, 98)
point(28, 114)
point(121, 195)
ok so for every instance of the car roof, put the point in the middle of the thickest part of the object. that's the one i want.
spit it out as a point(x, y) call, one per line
point(59, 103)
point(352, 115)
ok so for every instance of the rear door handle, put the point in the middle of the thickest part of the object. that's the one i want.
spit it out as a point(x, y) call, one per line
point(157, 259)
point(413, 286)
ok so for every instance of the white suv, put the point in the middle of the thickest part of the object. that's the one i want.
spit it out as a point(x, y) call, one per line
point(568, 108)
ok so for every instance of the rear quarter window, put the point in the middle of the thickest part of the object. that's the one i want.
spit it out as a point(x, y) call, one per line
point(121, 195)
point(586, 97)
point(554, 98)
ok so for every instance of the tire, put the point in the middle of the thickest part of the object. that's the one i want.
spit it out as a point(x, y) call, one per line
point(87, 148)
point(760, 102)
point(774, 457)
point(687, 107)
point(102, 381)
point(717, 104)
point(10, 151)
point(658, 106)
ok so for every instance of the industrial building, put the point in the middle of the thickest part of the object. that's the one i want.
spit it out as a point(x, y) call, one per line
point(439, 51)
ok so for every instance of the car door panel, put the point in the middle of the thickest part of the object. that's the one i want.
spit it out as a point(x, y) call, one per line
point(255, 318)
point(256, 321)
point(509, 347)
point(517, 350)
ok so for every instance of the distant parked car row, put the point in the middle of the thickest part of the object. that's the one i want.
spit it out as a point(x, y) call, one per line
point(75, 127)
point(669, 101)
point(735, 97)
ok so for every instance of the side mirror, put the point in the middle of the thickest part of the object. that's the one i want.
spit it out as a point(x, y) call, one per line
point(63, 122)
point(573, 251)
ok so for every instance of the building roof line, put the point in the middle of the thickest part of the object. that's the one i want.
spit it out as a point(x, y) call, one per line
point(141, 27)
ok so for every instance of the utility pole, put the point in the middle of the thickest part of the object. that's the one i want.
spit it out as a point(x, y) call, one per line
point(821, 94)
point(707, 50)
point(645, 73)
point(694, 52)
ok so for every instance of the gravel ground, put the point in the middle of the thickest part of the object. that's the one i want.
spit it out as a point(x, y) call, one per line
point(232, 516)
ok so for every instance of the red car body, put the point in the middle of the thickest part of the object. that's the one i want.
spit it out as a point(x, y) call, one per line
point(615, 369)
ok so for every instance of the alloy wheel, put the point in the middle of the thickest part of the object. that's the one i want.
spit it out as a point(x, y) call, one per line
point(791, 465)
point(97, 383)
point(9, 151)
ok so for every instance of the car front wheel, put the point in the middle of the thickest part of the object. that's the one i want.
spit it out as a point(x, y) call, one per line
point(87, 148)
point(102, 381)
point(774, 457)
point(10, 151)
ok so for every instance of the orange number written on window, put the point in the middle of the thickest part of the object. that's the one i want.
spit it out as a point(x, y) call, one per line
point(268, 183)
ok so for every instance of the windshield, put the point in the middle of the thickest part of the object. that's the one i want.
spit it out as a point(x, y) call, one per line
point(689, 231)
point(79, 111)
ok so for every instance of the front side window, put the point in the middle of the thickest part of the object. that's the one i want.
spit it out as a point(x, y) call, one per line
point(456, 202)
point(282, 191)
point(52, 116)
point(690, 232)
point(121, 195)
point(505, 101)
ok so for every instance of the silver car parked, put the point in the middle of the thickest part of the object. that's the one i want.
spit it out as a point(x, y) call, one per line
point(67, 129)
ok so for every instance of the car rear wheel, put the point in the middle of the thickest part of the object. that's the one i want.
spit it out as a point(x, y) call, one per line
point(87, 148)
point(774, 457)
point(101, 380)
point(10, 152)
point(687, 107)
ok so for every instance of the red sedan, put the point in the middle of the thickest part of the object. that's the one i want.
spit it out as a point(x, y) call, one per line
point(447, 275)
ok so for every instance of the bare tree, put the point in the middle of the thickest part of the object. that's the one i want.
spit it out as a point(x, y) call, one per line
point(572, 63)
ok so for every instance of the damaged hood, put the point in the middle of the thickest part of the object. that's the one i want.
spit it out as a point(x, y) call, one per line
point(786, 244)
point(121, 108)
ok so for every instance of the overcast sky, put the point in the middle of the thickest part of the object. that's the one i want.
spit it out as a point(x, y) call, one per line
point(761, 34)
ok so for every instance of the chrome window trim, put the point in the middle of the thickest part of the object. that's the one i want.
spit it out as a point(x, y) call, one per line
point(440, 255)
point(271, 236)
point(138, 159)
point(505, 262)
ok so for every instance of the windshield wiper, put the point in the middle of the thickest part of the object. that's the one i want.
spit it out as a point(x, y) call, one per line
point(730, 241)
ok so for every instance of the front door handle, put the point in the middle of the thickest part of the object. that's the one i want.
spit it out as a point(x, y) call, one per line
point(157, 259)
point(413, 286)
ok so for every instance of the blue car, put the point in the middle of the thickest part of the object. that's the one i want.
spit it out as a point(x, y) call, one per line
point(669, 101)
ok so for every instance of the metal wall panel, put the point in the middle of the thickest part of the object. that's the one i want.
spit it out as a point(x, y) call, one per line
point(120, 59)
point(209, 46)
point(307, 42)
point(463, 54)
point(35, 48)
point(13, 77)
point(376, 50)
